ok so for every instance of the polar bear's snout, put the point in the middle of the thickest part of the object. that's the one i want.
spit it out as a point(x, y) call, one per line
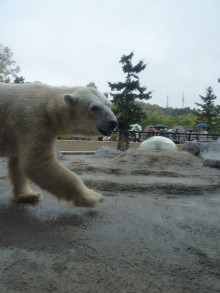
point(107, 127)
point(112, 124)
point(105, 119)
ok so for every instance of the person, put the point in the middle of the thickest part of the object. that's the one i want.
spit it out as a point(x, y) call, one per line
point(204, 133)
point(189, 133)
point(150, 132)
point(136, 135)
point(176, 136)
point(165, 133)
point(194, 135)
point(160, 132)
point(217, 135)
point(106, 138)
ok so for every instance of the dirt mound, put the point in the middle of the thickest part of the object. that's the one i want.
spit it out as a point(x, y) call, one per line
point(135, 171)
point(156, 160)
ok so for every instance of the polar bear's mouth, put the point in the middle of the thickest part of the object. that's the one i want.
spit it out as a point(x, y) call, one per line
point(104, 132)
point(108, 127)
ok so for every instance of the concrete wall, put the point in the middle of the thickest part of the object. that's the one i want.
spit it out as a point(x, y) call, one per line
point(83, 146)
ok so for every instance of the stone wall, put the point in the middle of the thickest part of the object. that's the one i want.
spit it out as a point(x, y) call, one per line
point(85, 146)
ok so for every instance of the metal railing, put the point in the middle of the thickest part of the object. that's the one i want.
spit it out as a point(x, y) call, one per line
point(176, 137)
point(180, 137)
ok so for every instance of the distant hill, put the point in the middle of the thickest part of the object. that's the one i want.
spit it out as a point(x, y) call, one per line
point(169, 116)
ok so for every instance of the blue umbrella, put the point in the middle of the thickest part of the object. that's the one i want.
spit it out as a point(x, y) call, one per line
point(201, 125)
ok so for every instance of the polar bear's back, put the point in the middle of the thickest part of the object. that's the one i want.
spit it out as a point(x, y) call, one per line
point(19, 107)
point(25, 92)
point(20, 99)
point(17, 99)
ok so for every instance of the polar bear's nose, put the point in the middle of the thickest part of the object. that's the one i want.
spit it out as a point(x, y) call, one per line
point(112, 124)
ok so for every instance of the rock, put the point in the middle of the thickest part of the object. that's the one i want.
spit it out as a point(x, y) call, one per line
point(106, 152)
point(211, 156)
point(211, 159)
point(59, 154)
point(208, 151)
point(195, 147)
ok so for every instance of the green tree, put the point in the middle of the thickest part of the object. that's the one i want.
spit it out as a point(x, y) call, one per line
point(169, 116)
point(207, 112)
point(8, 66)
point(19, 79)
point(125, 95)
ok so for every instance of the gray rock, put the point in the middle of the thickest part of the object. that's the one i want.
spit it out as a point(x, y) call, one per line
point(106, 152)
point(58, 154)
point(211, 156)
point(208, 151)
point(193, 147)
point(210, 159)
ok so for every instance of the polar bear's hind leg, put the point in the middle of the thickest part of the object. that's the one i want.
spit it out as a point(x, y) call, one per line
point(21, 189)
point(50, 175)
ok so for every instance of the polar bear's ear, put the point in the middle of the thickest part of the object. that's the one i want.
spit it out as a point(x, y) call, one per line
point(70, 100)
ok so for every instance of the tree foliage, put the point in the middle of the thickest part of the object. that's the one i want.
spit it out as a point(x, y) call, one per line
point(169, 116)
point(19, 79)
point(8, 68)
point(125, 94)
point(207, 112)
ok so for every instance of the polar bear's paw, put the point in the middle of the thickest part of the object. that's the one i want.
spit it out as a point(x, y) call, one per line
point(88, 199)
point(29, 198)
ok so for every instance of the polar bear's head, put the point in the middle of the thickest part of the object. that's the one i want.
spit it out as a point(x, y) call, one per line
point(90, 112)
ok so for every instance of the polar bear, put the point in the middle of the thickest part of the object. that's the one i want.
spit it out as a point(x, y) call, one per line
point(32, 116)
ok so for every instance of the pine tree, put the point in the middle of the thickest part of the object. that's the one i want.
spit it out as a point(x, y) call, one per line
point(207, 112)
point(19, 79)
point(124, 96)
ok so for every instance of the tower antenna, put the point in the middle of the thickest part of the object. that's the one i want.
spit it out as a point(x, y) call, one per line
point(167, 100)
point(183, 100)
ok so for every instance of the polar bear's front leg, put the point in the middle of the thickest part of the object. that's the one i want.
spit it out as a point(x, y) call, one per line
point(20, 183)
point(50, 175)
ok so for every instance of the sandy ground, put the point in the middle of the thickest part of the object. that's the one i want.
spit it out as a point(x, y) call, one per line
point(156, 231)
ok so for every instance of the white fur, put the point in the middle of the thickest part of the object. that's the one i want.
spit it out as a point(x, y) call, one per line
point(31, 117)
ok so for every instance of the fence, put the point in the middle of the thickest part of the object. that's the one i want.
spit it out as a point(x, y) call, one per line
point(178, 138)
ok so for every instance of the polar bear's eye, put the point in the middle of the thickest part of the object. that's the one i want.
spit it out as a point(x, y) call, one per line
point(95, 108)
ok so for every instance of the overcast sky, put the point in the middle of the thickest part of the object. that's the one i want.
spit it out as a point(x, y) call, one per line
point(74, 42)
